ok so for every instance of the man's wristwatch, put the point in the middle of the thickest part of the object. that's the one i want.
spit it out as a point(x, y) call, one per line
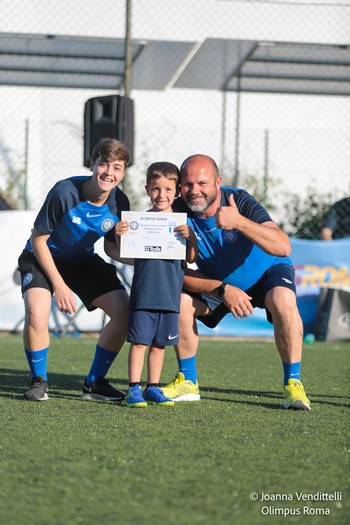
point(220, 290)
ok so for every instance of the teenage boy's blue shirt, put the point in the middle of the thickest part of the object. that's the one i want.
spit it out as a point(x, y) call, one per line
point(74, 225)
point(227, 255)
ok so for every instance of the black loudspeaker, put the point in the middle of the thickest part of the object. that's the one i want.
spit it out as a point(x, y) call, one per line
point(111, 116)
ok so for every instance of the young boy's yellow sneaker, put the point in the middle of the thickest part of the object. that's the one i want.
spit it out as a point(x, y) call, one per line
point(182, 389)
point(295, 395)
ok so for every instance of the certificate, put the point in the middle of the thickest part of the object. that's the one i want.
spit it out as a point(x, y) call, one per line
point(151, 236)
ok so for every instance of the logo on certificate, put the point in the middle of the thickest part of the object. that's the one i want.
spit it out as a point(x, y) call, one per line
point(153, 248)
point(171, 227)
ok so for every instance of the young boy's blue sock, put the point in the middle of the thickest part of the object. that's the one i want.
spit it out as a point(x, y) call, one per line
point(101, 364)
point(291, 371)
point(37, 362)
point(188, 368)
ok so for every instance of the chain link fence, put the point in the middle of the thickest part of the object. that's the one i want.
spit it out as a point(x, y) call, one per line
point(292, 151)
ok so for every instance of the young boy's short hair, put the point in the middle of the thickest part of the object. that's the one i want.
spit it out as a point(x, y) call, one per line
point(110, 150)
point(163, 169)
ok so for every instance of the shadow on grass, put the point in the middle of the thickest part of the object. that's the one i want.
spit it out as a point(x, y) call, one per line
point(239, 392)
point(315, 398)
point(270, 406)
point(66, 386)
point(69, 386)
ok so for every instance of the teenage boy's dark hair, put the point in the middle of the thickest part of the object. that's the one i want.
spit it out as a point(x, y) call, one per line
point(110, 150)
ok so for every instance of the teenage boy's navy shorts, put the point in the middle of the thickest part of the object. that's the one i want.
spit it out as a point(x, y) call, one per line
point(89, 279)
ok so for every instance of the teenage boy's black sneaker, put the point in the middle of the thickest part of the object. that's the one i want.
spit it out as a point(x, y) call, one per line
point(101, 389)
point(37, 390)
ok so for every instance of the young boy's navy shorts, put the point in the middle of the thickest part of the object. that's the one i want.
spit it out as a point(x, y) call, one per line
point(89, 279)
point(150, 327)
point(277, 275)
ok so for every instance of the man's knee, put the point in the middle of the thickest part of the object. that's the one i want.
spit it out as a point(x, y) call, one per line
point(281, 301)
point(192, 307)
point(186, 304)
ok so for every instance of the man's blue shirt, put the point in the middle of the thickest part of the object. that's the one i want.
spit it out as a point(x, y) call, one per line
point(228, 255)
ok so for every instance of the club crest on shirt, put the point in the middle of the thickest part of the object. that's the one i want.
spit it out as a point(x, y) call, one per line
point(230, 235)
point(107, 225)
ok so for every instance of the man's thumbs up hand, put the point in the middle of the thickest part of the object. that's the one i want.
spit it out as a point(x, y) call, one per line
point(226, 217)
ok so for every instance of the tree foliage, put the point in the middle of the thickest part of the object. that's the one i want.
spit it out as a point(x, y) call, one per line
point(299, 215)
point(304, 214)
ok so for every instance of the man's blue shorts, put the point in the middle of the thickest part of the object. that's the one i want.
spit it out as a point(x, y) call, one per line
point(150, 327)
point(277, 275)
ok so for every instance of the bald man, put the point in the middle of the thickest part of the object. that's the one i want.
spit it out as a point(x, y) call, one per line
point(243, 263)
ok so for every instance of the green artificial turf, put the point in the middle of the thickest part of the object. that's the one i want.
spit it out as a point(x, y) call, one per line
point(68, 461)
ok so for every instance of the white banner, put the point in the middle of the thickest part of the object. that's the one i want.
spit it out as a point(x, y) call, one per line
point(15, 228)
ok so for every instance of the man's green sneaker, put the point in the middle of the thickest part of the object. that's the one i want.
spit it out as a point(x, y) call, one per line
point(181, 389)
point(295, 395)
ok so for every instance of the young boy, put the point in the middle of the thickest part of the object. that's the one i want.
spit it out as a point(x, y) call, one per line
point(59, 259)
point(155, 295)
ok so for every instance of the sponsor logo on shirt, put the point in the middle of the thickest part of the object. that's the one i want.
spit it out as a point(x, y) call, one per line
point(90, 215)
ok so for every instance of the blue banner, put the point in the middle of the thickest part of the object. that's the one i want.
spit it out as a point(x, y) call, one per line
point(317, 264)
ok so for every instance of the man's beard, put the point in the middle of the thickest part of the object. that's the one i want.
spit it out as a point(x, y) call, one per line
point(201, 207)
